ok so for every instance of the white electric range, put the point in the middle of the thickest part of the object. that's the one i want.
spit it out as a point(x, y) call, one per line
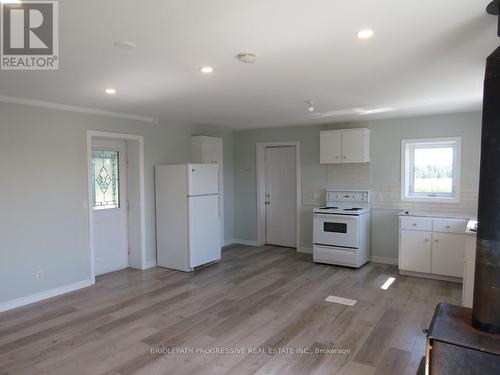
point(341, 229)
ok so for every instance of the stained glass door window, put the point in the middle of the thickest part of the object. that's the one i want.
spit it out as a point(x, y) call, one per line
point(105, 179)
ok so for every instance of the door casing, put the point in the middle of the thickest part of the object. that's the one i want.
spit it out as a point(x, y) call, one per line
point(137, 257)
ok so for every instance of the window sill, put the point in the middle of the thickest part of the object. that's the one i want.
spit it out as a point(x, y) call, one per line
point(431, 199)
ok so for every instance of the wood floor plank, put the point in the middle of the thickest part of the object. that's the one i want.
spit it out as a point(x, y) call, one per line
point(265, 298)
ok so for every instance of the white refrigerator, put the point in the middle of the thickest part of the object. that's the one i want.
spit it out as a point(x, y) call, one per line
point(187, 215)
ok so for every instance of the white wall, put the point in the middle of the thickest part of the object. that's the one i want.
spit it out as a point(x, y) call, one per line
point(382, 175)
point(43, 191)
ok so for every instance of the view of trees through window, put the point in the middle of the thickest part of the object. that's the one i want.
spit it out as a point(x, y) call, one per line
point(433, 170)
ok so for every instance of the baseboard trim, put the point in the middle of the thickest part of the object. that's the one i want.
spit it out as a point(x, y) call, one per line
point(23, 301)
point(431, 276)
point(238, 241)
point(305, 250)
point(384, 260)
point(149, 264)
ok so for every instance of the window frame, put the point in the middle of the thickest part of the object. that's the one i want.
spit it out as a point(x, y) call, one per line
point(119, 179)
point(408, 167)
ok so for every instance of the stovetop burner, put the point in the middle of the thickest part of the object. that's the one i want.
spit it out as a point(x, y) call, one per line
point(329, 208)
point(353, 209)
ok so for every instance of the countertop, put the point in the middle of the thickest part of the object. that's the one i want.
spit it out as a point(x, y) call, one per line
point(470, 226)
point(445, 215)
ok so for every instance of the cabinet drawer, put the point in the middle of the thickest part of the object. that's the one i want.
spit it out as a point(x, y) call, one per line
point(416, 223)
point(449, 225)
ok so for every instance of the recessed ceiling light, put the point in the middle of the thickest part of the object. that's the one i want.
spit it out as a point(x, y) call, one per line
point(365, 34)
point(124, 45)
point(206, 69)
point(110, 91)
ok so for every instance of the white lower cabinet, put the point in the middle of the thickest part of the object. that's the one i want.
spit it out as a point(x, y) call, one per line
point(429, 246)
point(448, 254)
point(415, 253)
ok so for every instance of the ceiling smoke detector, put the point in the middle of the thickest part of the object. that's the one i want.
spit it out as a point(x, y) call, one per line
point(126, 45)
point(247, 58)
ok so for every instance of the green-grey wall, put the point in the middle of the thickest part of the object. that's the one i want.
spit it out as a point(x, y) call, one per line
point(43, 191)
point(383, 172)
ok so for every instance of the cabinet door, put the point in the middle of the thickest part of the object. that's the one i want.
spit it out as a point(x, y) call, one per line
point(415, 251)
point(330, 147)
point(448, 254)
point(212, 150)
point(356, 146)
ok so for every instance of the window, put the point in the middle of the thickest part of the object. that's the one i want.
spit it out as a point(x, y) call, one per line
point(430, 169)
point(105, 179)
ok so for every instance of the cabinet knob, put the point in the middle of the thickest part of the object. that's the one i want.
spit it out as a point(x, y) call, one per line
point(448, 227)
point(426, 240)
point(414, 224)
point(436, 240)
point(336, 157)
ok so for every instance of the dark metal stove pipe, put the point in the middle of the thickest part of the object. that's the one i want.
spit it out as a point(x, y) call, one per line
point(486, 309)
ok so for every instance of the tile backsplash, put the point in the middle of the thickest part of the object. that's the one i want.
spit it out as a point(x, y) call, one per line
point(388, 197)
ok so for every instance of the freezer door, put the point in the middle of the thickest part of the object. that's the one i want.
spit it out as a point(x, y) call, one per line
point(203, 179)
point(204, 230)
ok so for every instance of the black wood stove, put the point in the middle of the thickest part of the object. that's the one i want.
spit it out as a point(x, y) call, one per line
point(461, 340)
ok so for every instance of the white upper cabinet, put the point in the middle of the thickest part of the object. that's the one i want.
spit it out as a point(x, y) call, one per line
point(330, 147)
point(345, 146)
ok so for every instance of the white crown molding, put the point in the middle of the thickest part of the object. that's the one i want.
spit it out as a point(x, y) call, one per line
point(71, 108)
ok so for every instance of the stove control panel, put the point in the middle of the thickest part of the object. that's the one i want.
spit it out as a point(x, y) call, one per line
point(348, 196)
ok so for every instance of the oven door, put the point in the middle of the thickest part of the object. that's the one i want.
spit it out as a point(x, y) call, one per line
point(336, 230)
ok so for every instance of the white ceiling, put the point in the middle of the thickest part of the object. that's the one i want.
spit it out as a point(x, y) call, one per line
point(427, 56)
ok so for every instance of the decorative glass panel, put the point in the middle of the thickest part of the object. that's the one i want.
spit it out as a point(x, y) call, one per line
point(105, 179)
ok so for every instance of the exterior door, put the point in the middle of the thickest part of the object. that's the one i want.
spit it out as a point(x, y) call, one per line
point(109, 200)
point(281, 196)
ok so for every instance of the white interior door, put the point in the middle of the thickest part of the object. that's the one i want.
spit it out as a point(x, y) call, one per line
point(109, 205)
point(281, 196)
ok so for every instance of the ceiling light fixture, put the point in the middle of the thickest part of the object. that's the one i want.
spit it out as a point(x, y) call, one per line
point(206, 69)
point(247, 58)
point(110, 91)
point(310, 105)
point(365, 34)
point(125, 45)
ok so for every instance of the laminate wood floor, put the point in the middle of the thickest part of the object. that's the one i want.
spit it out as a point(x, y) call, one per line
point(260, 310)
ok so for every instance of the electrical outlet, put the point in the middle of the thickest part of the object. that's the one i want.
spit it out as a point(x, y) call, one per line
point(39, 275)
